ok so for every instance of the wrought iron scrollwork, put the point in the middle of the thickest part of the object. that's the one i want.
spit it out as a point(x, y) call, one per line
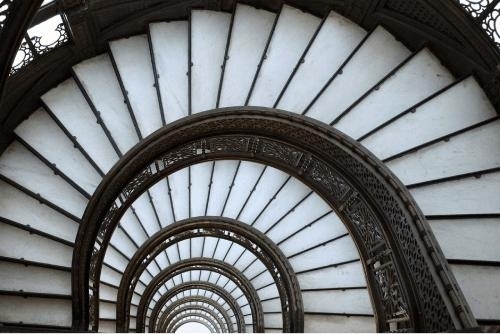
point(33, 47)
point(487, 14)
point(404, 268)
point(4, 12)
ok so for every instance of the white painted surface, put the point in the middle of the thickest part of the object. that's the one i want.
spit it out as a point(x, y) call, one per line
point(35, 311)
point(270, 182)
point(108, 293)
point(15, 277)
point(346, 275)
point(41, 132)
point(246, 178)
point(69, 106)
point(469, 239)
point(179, 182)
point(323, 230)
point(349, 301)
point(460, 106)
point(107, 326)
point(99, 80)
point(479, 285)
point(250, 33)
point(353, 83)
point(340, 324)
point(200, 180)
point(273, 320)
point(468, 152)
point(292, 193)
point(224, 172)
point(16, 243)
point(21, 166)
point(465, 196)
point(335, 41)
point(133, 60)
point(107, 310)
point(209, 31)
point(170, 48)
point(291, 36)
point(334, 252)
point(23, 209)
point(420, 77)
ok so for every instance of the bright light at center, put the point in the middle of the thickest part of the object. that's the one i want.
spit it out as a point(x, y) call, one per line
point(192, 327)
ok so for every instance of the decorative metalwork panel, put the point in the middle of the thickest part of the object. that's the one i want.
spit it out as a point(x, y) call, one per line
point(487, 14)
point(491, 24)
point(475, 7)
point(407, 274)
point(34, 46)
point(4, 12)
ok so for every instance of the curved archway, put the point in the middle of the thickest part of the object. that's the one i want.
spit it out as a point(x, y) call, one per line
point(168, 321)
point(203, 300)
point(407, 274)
point(208, 265)
point(260, 245)
point(183, 322)
point(197, 285)
point(192, 317)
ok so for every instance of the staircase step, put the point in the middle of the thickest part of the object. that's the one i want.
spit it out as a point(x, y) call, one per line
point(133, 62)
point(335, 301)
point(417, 79)
point(16, 243)
point(334, 43)
point(23, 168)
point(459, 155)
point(209, 33)
point(21, 208)
point(41, 132)
point(17, 277)
point(469, 239)
point(478, 285)
point(353, 81)
point(170, 50)
point(250, 33)
point(99, 82)
point(314, 323)
point(290, 38)
point(466, 196)
point(446, 113)
point(69, 106)
point(36, 311)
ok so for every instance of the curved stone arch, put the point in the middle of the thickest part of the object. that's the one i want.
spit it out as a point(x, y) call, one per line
point(225, 228)
point(204, 317)
point(165, 321)
point(206, 264)
point(411, 285)
point(240, 321)
point(183, 322)
point(203, 300)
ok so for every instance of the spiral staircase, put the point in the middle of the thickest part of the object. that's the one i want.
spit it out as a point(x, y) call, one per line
point(439, 134)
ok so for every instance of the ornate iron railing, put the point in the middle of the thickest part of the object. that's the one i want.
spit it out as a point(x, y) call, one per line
point(5, 6)
point(486, 13)
point(33, 47)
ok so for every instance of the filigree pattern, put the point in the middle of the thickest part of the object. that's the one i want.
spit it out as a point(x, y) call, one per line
point(491, 25)
point(4, 12)
point(475, 7)
point(62, 39)
point(487, 14)
point(30, 50)
point(24, 56)
point(367, 195)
